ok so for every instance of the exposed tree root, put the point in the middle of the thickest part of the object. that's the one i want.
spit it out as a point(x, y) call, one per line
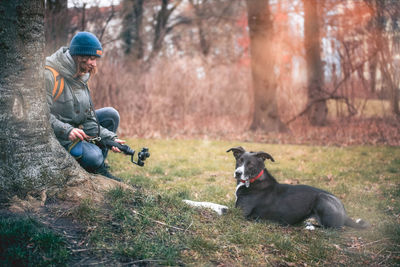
point(86, 186)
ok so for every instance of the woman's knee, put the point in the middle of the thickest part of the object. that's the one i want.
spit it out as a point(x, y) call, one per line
point(109, 118)
point(92, 157)
point(114, 114)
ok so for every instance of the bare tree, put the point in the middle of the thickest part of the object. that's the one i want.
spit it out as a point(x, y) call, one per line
point(161, 26)
point(318, 111)
point(132, 28)
point(266, 116)
point(83, 18)
point(387, 43)
point(56, 24)
point(200, 14)
point(207, 18)
point(146, 44)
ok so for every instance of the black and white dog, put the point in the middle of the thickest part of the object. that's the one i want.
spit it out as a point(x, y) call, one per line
point(259, 195)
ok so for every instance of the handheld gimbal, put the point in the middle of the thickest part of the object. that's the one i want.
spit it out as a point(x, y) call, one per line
point(142, 155)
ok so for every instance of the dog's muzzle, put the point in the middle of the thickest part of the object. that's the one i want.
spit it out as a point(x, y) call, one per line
point(239, 175)
point(239, 172)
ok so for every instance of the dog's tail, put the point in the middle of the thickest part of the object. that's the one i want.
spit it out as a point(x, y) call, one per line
point(359, 223)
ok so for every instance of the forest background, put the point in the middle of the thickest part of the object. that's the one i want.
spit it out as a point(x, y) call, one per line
point(187, 68)
point(218, 74)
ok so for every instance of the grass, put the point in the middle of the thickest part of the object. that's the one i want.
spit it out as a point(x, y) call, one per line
point(25, 242)
point(152, 226)
point(366, 178)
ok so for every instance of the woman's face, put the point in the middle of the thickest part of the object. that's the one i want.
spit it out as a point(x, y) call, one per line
point(86, 64)
point(91, 63)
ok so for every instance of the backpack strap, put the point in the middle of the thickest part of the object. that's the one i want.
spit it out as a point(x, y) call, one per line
point(58, 83)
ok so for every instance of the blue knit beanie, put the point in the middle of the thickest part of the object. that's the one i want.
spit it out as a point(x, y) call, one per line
point(85, 44)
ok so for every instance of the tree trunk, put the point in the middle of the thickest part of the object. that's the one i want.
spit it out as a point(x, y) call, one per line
point(31, 159)
point(83, 18)
point(266, 116)
point(388, 66)
point(199, 13)
point(318, 111)
point(372, 66)
point(160, 27)
point(132, 28)
point(395, 101)
point(395, 50)
point(56, 25)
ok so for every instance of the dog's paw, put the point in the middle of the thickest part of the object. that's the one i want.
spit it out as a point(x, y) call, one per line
point(310, 226)
point(219, 209)
point(223, 210)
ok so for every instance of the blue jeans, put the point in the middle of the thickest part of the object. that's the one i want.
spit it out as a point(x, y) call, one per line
point(89, 155)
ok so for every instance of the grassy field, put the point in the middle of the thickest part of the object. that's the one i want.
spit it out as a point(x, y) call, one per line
point(152, 226)
point(367, 179)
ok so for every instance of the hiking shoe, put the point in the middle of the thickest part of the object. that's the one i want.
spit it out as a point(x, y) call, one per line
point(103, 170)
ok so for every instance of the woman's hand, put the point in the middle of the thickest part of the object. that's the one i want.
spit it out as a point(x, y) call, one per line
point(116, 149)
point(77, 133)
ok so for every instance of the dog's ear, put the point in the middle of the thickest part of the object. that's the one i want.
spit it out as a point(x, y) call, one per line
point(264, 156)
point(237, 151)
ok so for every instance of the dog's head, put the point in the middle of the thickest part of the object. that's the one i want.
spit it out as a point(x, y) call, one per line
point(248, 164)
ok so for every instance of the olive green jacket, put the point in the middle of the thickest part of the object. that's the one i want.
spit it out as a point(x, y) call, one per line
point(73, 108)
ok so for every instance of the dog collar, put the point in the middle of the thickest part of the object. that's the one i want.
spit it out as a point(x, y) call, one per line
point(255, 178)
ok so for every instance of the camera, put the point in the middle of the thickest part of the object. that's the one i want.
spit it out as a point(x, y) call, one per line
point(142, 155)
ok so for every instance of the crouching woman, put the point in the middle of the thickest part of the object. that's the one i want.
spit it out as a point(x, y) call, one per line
point(77, 126)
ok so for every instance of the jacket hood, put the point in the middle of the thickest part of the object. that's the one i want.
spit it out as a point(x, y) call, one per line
point(63, 62)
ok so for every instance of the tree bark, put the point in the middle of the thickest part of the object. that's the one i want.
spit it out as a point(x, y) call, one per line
point(318, 110)
point(31, 159)
point(266, 116)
